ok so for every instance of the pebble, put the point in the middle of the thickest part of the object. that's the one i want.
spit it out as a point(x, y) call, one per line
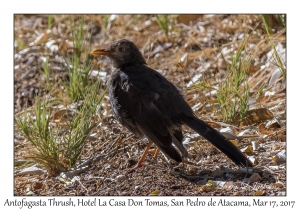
point(30, 193)
point(108, 180)
point(120, 178)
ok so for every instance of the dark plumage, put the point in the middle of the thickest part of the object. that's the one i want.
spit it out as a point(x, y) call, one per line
point(149, 105)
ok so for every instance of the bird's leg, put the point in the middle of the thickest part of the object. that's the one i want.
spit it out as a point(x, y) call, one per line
point(184, 160)
point(156, 153)
point(139, 164)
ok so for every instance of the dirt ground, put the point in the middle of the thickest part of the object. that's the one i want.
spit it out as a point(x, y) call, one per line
point(195, 49)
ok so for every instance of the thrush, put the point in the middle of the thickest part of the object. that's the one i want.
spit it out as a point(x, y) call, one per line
point(147, 104)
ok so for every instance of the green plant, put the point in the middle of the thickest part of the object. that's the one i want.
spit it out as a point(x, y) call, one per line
point(277, 58)
point(50, 20)
point(20, 43)
point(59, 145)
point(105, 20)
point(274, 21)
point(78, 71)
point(46, 72)
point(200, 84)
point(233, 92)
point(282, 20)
point(81, 124)
point(164, 23)
point(38, 133)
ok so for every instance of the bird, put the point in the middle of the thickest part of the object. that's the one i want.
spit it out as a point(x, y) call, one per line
point(149, 105)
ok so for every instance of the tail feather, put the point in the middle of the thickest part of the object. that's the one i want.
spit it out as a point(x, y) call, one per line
point(218, 140)
point(171, 152)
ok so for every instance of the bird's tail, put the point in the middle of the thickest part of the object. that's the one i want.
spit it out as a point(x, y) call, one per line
point(218, 140)
point(171, 152)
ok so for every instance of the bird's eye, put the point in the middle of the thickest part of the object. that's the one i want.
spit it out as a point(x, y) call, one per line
point(121, 49)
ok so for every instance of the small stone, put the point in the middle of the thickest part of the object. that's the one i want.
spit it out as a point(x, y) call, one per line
point(255, 145)
point(120, 178)
point(108, 180)
point(253, 160)
point(148, 178)
point(278, 185)
point(30, 193)
point(34, 169)
point(37, 185)
point(217, 172)
point(280, 157)
point(254, 178)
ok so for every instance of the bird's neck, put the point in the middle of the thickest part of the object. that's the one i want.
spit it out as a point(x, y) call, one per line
point(128, 64)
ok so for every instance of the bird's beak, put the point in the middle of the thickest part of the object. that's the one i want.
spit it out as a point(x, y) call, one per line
point(101, 52)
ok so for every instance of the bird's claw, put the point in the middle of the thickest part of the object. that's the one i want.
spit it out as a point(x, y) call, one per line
point(139, 165)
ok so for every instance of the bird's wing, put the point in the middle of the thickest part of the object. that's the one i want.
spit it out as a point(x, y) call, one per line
point(133, 104)
point(150, 120)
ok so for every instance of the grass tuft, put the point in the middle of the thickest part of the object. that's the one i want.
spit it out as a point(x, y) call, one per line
point(58, 136)
point(78, 72)
point(58, 145)
point(233, 93)
point(166, 23)
point(277, 58)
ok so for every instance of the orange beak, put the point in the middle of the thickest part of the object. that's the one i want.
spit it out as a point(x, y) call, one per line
point(101, 52)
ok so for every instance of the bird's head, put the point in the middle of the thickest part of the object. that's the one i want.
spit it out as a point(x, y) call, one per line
point(121, 53)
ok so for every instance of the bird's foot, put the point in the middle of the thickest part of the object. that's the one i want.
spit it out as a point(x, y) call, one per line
point(187, 161)
point(138, 165)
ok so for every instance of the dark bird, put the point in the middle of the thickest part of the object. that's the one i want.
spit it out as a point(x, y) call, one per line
point(147, 104)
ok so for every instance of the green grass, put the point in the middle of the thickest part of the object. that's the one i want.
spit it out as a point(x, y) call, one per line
point(78, 71)
point(163, 22)
point(105, 20)
point(38, 132)
point(50, 21)
point(233, 93)
point(58, 145)
point(46, 73)
point(58, 136)
point(278, 60)
point(166, 23)
point(20, 43)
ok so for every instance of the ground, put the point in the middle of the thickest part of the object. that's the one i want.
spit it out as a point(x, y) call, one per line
point(197, 50)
